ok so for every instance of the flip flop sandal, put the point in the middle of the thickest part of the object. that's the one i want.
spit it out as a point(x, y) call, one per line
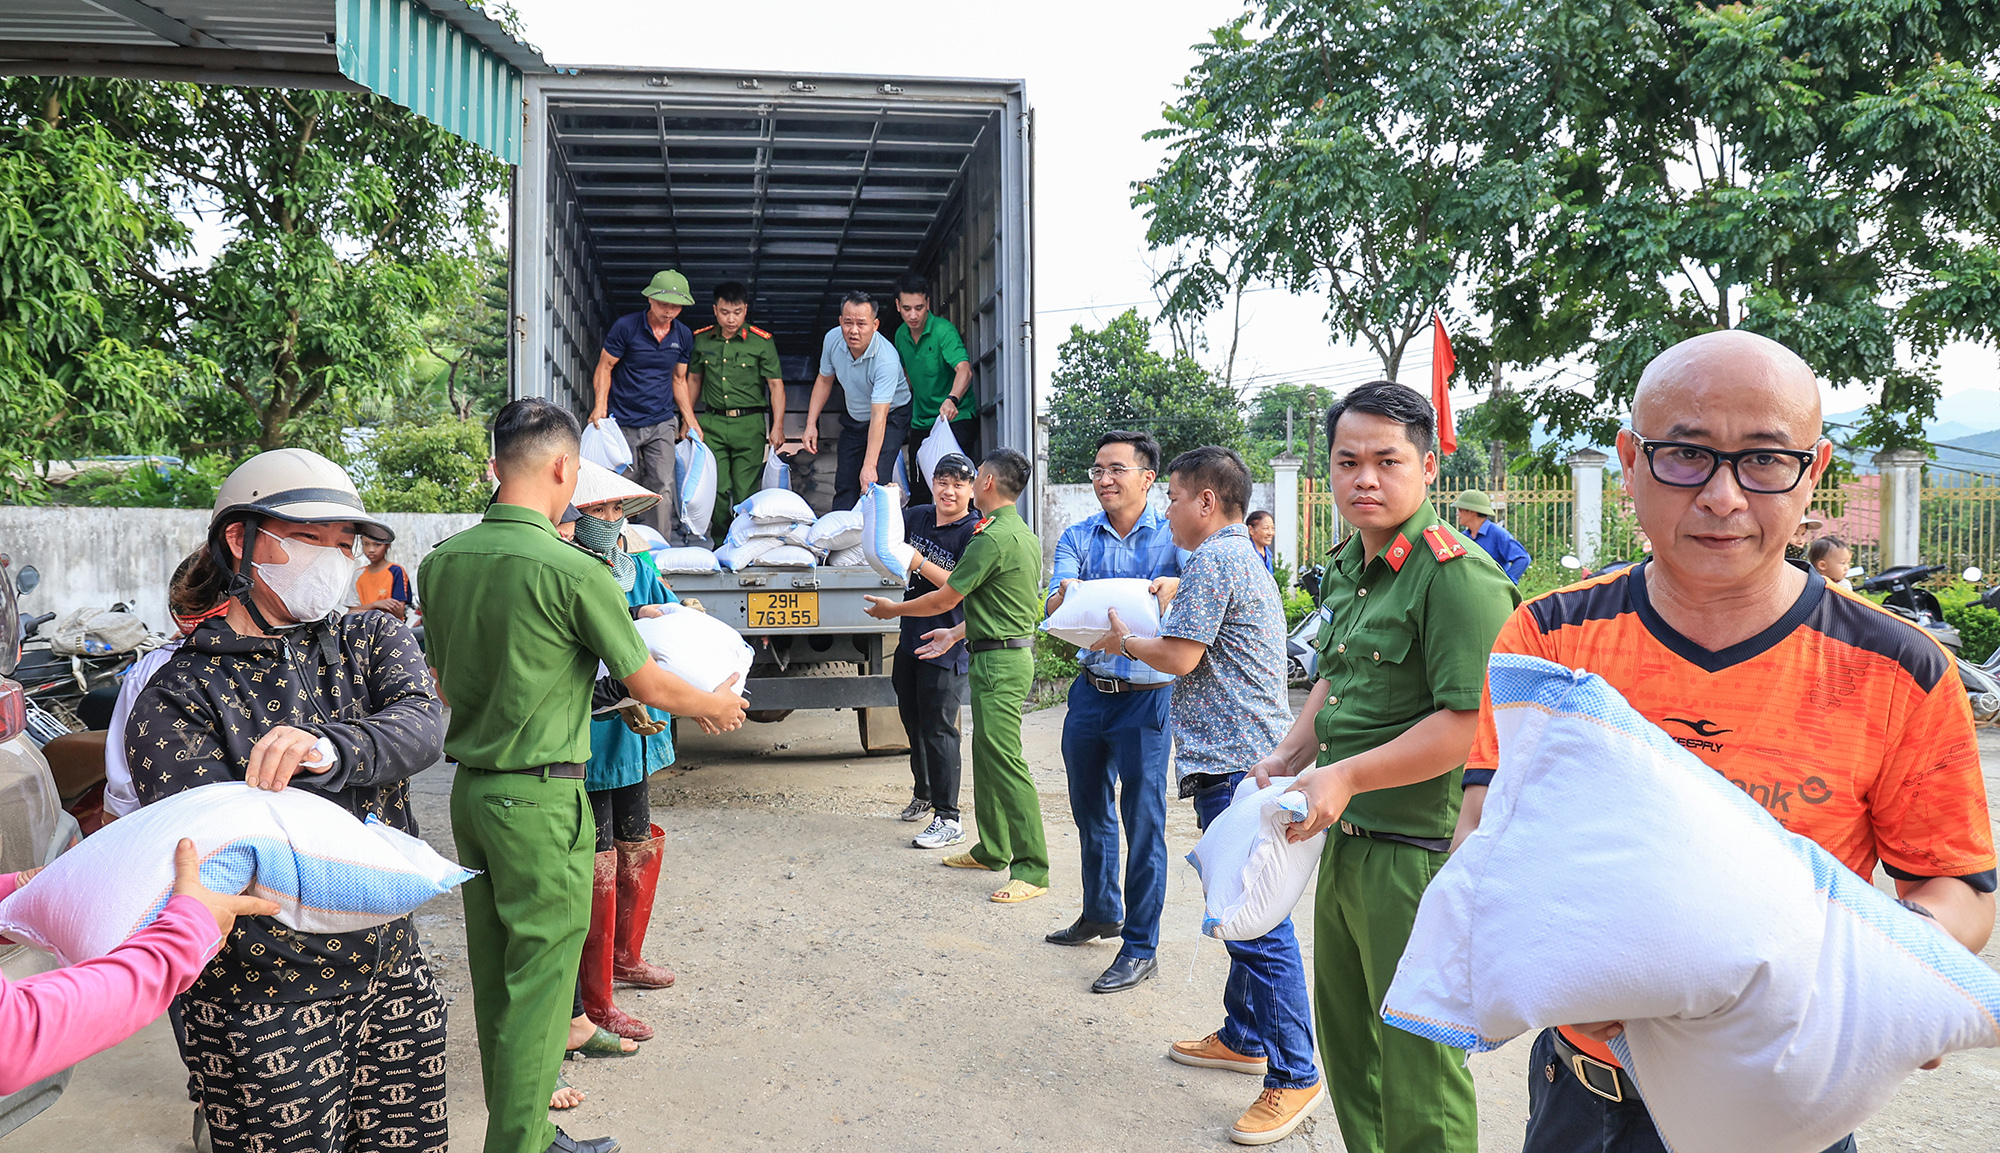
point(964, 861)
point(562, 1084)
point(1015, 892)
point(602, 1043)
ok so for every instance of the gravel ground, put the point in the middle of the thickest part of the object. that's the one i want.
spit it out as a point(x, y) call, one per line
point(839, 990)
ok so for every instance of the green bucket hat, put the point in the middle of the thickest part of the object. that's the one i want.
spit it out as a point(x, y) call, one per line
point(1472, 500)
point(669, 287)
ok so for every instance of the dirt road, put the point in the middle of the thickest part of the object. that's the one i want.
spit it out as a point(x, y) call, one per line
point(838, 990)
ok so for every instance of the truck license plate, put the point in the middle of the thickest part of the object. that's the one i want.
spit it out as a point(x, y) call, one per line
point(786, 610)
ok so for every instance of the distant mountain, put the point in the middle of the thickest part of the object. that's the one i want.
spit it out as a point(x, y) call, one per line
point(1985, 457)
point(1962, 414)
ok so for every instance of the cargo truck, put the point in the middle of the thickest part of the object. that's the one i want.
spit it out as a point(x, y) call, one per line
point(803, 187)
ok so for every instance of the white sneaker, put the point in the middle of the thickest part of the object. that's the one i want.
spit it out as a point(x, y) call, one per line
point(943, 833)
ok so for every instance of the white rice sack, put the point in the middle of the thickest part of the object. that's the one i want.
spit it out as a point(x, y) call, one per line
point(737, 557)
point(694, 484)
point(900, 475)
point(696, 647)
point(1772, 999)
point(1082, 619)
point(603, 444)
point(685, 560)
point(787, 556)
point(1251, 876)
point(852, 557)
point(836, 531)
point(777, 471)
point(938, 445)
point(327, 871)
point(654, 541)
point(882, 533)
point(777, 504)
point(745, 528)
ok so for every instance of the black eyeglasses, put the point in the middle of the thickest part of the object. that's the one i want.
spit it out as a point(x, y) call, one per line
point(1761, 470)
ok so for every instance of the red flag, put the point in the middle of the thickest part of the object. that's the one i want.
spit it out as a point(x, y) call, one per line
point(1442, 364)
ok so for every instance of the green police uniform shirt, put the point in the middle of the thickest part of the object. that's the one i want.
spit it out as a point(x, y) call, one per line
point(734, 373)
point(931, 364)
point(515, 623)
point(999, 576)
point(1406, 634)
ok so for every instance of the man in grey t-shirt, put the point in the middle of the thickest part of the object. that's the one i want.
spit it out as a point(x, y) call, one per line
point(1224, 637)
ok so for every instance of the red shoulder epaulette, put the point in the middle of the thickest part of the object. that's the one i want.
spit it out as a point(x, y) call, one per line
point(981, 526)
point(758, 331)
point(1442, 546)
point(699, 331)
point(1399, 551)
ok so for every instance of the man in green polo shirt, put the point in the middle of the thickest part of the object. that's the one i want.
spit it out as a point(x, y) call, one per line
point(734, 370)
point(1412, 610)
point(516, 624)
point(998, 579)
point(940, 372)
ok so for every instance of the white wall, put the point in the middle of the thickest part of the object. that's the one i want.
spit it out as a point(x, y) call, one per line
point(1065, 504)
point(95, 557)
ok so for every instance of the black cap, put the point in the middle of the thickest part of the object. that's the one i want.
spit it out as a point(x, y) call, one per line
point(955, 463)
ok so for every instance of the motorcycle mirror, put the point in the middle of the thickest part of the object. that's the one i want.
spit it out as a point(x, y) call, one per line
point(29, 580)
point(1973, 574)
point(1571, 562)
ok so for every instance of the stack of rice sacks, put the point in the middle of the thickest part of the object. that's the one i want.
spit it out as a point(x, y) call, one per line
point(771, 530)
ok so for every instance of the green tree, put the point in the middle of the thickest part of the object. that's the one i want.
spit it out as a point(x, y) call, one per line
point(79, 373)
point(437, 467)
point(1112, 378)
point(1336, 147)
point(467, 335)
point(1823, 172)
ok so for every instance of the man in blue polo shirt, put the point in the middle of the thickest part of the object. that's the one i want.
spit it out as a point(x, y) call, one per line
point(1117, 733)
point(642, 383)
point(876, 420)
point(1475, 519)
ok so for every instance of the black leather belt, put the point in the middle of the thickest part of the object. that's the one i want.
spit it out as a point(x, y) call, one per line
point(1607, 1081)
point(740, 411)
point(1009, 643)
point(1434, 844)
point(567, 771)
point(1114, 685)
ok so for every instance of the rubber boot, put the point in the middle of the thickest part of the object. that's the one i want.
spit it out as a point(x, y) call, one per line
point(595, 971)
point(638, 877)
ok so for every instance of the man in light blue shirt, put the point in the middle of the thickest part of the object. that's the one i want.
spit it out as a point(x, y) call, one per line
point(876, 421)
point(1117, 732)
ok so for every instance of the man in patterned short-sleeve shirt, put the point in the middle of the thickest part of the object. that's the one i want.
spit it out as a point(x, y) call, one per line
point(1223, 637)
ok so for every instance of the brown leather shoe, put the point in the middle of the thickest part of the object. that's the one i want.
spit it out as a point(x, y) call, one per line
point(1211, 1053)
point(1275, 1113)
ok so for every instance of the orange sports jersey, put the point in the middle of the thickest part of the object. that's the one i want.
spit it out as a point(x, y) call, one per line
point(1846, 722)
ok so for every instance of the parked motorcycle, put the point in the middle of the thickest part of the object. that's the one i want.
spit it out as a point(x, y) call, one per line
point(1301, 661)
point(1907, 598)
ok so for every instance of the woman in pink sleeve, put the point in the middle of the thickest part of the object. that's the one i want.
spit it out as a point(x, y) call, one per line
point(50, 1021)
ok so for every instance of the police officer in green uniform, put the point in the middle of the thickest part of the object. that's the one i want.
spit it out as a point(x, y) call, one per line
point(1413, 608)
point(999, 580)
point(734, 369)
point(517, 621)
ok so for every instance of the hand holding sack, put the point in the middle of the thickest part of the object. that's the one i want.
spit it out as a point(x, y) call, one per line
point(1083, 618)
point(327, 871)
point(1772, 999)
point(1251, 876)
point(603, 444)
point(882, 533)
point(938, 445)
point(696, 647)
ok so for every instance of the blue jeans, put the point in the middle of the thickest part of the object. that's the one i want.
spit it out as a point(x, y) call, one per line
point(1122, 740)
point(1565, 1117)
point(1265, 1002)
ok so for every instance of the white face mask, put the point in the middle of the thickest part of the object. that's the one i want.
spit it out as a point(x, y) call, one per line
point(314, 582)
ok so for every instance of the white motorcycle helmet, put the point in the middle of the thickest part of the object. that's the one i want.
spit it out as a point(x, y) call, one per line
point(289, 484)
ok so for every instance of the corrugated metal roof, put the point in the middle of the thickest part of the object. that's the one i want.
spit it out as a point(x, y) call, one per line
point(444, 59)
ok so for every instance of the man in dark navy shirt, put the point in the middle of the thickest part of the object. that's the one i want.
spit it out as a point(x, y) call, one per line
point(642, 383)
point(932, 664)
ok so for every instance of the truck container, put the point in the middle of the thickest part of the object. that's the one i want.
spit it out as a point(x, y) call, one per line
point(803, 187)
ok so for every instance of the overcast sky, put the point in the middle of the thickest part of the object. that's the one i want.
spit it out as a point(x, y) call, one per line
point(1097, 74)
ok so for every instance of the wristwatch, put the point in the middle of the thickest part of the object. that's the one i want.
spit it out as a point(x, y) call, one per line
point(1122, 651)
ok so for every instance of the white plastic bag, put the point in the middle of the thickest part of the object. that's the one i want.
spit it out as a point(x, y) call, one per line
point(836, 531)
point(787, 556)
point(777, 471)
point(685, 560)
point(852, 557)
point(1251, 876)
point(327, 871)
point(882, 533)
point(1081, 618)
point(694, 484)
point(696, 647)
point(1772, 999)
point(777, 504)
point(604, 445)
point(938, 445)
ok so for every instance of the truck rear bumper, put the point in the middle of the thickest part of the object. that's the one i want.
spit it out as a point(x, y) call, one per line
point(860, 692)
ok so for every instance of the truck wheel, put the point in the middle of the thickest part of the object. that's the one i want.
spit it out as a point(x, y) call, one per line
point(766, 716)
point(882, 732)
